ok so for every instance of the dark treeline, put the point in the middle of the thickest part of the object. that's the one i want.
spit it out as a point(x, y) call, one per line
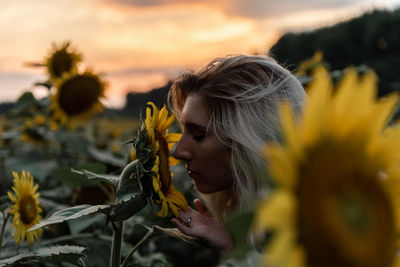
point(372, 39)
point(136, 102)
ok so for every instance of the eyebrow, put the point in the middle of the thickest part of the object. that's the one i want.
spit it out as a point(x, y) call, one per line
point(194, 125)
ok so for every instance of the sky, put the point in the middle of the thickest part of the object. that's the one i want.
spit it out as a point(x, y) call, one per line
point(138, 45)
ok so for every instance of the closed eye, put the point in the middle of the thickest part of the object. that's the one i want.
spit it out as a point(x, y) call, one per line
point(197, 132)
point(199, 138)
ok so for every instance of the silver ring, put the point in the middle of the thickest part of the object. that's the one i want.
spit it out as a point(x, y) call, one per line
point(188, 221)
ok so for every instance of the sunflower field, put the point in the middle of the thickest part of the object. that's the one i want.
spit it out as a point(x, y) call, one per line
point(86, 188)
point(80, 187)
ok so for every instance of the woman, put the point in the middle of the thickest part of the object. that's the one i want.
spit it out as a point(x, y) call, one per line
point(227, 110)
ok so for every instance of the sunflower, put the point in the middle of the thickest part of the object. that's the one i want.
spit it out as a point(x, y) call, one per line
point(33, 130)
point(61, 60)
point(153, 148)
point(335, 199)
point(26, 209)
point(78, 97)
point(308, 65)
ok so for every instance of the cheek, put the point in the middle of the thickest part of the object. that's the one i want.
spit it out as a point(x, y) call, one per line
point(218, 172)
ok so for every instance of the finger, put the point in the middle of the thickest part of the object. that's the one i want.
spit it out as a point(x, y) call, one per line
point(183, 228)
point(184, 215)
point(201, 207)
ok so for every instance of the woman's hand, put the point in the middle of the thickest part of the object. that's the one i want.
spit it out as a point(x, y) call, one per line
point(202, 224)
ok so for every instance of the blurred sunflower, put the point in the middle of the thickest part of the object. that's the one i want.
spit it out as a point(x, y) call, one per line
point(336, 196)
point(61, 60)
point(33, 131)
point(153, 149)
point(26, 209)
point(308, 65)
point(78, 97)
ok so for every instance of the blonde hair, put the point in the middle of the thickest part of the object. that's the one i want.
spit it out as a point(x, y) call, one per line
point(243, 94)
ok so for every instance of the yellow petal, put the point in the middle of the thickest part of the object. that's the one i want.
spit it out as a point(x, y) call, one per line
point(173, 137)
point(176, 197)
point(314, 112)
point(173, 161)
point(289, 128)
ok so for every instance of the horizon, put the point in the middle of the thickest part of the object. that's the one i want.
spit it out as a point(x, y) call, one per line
point(141, 45)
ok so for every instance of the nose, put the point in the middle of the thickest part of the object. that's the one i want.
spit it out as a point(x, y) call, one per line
point(182, 149)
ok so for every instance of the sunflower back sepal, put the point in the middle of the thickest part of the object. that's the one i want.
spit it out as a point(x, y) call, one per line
point(129, 205)
point(144, 150)
point(128, 181)
point(70, 254)
point(71, 213)
point(131, 141)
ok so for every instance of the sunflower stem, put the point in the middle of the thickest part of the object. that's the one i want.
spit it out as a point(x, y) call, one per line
point(3, 227)
point(146, 237)
point(116, 244)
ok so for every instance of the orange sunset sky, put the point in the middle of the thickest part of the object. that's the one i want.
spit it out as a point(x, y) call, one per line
point(139, 44)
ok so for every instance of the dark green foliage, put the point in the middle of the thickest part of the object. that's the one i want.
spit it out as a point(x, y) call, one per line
point(372, 39)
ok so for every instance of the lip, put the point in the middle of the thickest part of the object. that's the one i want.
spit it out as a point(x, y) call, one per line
point(191, 172)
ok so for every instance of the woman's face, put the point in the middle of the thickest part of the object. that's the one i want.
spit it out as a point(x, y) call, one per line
point(207, 160)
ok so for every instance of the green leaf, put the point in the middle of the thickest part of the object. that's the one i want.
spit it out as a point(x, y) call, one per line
point(72, 179)
point(106, 157)
point(80, 224)
point(70, 214)
point(128, 206)
point(75, 178)
point(96, 167)
point(33, 164)
point(57, 193)
point(91, 176)
point(153, 259)
point(71, 254)
point(238, 225)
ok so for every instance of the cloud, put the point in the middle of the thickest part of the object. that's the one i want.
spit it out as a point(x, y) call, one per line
point(250, 8)
point(263, 8)
point(14, 84)
point(146, 3)
point(168, 71)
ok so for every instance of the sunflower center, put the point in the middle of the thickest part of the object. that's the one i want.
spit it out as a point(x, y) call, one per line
point(62, 62)
point(78, 94)
point(28, 209)
point(353, 209)
point(163, 155)
point(345, 216)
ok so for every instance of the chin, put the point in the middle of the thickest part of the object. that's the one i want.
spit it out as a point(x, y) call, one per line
point(203, 188)
point(206, 189)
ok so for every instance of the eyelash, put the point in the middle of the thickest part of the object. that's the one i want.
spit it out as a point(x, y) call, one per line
point(198, 138)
